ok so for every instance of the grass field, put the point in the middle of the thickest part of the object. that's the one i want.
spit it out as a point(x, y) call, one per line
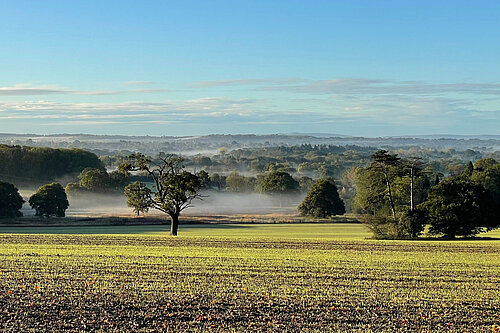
point(293, 277)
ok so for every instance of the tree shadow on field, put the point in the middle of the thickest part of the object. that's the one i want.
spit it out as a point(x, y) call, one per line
point(459, 239)
point(61, 226)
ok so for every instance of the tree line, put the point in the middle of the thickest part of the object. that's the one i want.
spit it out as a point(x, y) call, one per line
point(399, 197)
point(41, 163)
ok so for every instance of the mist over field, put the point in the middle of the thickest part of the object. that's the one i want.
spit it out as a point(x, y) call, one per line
point(213, 203)
point(245, 203)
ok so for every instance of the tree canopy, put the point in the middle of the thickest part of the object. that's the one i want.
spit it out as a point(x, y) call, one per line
point(277, 182)
point(174, 187)
point(138, 197)
point(459, 207)
point(39, 163)
point(238, 183)
point(98, 181)
point(322, 200)
point(49, 200)
point(94, 180)
point(387, 165)
point(10, 200)
point(388, 191)
point(486, 173)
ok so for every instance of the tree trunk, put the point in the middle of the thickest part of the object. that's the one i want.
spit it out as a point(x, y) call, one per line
point(412, 202)
point(174, 224)
point(391, 201)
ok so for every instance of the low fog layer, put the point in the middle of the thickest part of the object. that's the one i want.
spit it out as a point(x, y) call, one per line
point(213, 203)
point(98, 204)
point(90, 204)
point(245, 203)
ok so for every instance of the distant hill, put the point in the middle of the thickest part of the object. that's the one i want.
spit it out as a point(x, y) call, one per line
point(321, 135)
point(209, 144)
point(453, 136)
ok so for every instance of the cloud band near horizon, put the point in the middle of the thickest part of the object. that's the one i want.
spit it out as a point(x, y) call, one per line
point(345, 105)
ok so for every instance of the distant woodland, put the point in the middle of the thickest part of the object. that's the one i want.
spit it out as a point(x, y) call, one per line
point(22, 164)
point(210, 144)
point(52, 157)
point(233, 163)
point(398, 190)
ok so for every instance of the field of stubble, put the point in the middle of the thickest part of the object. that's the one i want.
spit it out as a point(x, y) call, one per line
point(297, 277)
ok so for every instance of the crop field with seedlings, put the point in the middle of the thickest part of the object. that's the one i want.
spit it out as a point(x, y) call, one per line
point(294, 277)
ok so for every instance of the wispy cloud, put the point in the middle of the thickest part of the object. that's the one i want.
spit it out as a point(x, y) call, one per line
point(246, 82)
point(312, 105)
point(362, 86)
point(30, 90)
point(138, 83)
point(209, 106)
point(389, 109)
point(120, 92)
point(355, 86)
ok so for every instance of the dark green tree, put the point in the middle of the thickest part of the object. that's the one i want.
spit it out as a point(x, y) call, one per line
point(411, 223)
point(118, 179)
point(238, 183)
point(487, 174)
point(389, 190)
point(49, 200)
point(305, 183)
point(468, 170)
point(485, 163)
point(459, 207)
point(322, 200)
point(218, 181)
point(277, 182)
point(370, 195)
point(95, 180)
point(99, 181)
point(10, 200)
point(415, 167)
point(138, 197)
point(42, 163)
point(74, 190)
point(386, 164)
point(204, 179)
point(174, 187)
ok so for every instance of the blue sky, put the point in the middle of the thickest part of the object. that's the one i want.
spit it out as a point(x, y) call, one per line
point(365, 68)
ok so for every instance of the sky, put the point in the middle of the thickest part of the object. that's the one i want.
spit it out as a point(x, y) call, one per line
point(362, 68)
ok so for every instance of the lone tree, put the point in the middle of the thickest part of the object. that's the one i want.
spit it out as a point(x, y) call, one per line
point(49, 200)
point(174, 187)
point(322, 200)
point(10, 200)
point(138, 197)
